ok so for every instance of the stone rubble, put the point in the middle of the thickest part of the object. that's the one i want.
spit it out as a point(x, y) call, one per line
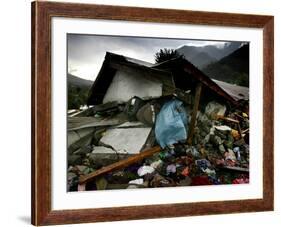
point(219, 154)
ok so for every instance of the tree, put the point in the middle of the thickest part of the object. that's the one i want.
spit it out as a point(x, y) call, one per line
point(166, 54)
point(77, 96)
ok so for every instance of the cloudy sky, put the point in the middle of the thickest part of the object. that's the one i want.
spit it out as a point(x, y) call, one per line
point(86, 52)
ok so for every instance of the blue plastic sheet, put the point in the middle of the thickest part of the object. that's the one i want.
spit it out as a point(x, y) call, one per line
point(171, 123)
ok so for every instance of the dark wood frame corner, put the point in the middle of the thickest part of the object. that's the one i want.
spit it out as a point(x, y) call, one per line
point(42, 13)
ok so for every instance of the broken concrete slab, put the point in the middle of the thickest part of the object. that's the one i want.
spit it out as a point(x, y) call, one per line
point(74, 122)
point(74, 136)
point(130, 140)
point(131, 124)
point(79, 144)
point(92, 122)
point(83, 150)
point(102, 156)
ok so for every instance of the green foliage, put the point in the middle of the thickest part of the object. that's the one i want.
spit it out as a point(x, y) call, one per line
point(233, 68)
point(77, 96)
point(166, 54)
point(242, 79)
point(227, 74)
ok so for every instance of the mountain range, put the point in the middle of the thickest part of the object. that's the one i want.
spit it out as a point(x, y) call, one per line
point(201, 56)
point(233, 68)
point(77, 81)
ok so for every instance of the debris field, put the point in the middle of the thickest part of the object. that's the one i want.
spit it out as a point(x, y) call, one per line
point(158, 125)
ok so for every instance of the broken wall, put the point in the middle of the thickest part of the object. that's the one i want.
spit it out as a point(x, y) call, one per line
point(125, 85)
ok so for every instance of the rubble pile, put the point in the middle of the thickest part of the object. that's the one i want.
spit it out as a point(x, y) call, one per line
point(104, 134)
point(158, 125)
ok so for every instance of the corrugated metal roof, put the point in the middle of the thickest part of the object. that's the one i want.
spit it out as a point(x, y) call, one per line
point(236, 92)
point(139, 62)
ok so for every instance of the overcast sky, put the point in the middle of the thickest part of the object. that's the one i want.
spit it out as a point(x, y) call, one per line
point(86, 52)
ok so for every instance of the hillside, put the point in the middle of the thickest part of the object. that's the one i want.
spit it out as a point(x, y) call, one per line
point(201, 56)
point(202, 59)
point(233, 68)
point(78, 89)
point(77, 81)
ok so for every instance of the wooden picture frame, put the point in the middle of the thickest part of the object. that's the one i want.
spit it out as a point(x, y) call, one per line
point(42, 13)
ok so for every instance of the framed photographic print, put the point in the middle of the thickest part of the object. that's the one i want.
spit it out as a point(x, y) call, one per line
point(146, 113)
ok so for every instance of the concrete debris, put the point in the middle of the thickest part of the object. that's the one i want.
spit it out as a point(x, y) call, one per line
point(147, 113)
point(76, 135)
point(214, 109)
point(132, 124)
point(193, 151)
point(102, 156)
point(223, 128)
point(132, 107)
point(216, 151)
point(90, 124)
point(130, 140)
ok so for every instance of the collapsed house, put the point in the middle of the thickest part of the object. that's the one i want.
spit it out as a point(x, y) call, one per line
point(158, 125)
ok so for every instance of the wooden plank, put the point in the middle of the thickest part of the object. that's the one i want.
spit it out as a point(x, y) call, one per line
point(194, 113)
point(227, 119)
point(119, 165)
point(239, 130)
point(77, 123)
point(235, 168)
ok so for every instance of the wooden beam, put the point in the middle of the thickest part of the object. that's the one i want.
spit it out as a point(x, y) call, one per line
point(119, 165)
point(234, 168)
point(194, 113)
point(227, 119)
point(239, 130)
